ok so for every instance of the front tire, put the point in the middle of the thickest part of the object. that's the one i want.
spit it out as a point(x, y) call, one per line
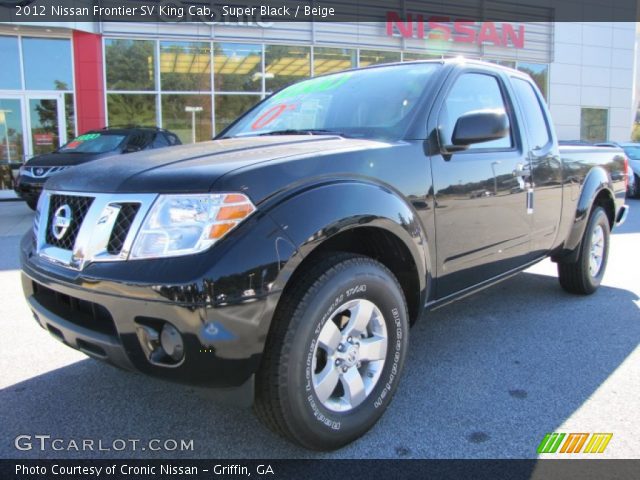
point(584, 276)
point(335, 354)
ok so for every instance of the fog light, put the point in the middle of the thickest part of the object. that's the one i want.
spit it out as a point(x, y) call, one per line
point(171, 342)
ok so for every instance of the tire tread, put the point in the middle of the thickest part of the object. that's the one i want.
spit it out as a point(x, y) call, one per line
point(270, 405)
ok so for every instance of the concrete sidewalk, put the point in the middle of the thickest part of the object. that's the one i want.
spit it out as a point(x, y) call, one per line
point(15, 218)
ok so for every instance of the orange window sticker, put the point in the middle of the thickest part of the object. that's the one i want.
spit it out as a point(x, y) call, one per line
point(271, 114)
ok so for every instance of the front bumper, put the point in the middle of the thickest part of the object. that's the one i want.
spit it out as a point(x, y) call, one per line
point(101, 310)
point(29, 188)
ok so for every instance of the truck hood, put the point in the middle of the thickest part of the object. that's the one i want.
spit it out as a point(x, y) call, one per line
point(61, 159)
point(194, 168)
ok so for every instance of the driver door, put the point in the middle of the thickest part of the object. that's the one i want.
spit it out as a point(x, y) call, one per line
point(482, 221)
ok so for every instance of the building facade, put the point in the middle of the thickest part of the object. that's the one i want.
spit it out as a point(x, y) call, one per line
point(58, 81)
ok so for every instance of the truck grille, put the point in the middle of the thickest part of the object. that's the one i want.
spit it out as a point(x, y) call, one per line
point(127, 214)
point(95, 227)
point(79, 207)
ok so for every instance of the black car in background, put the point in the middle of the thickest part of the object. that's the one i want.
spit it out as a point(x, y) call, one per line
point(89, 146)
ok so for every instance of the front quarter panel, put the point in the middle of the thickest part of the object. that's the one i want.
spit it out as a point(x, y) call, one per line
point(317, 214)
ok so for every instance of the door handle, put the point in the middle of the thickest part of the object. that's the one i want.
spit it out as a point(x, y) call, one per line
point(522, 170)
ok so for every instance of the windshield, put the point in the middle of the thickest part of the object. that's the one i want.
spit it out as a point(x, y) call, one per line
point(632, 152)
point(93, 143)
point(374, 102)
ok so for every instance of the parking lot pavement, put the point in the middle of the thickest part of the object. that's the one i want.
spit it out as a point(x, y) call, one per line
point(486, 377)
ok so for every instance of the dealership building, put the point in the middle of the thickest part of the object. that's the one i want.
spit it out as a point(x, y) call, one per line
point(59, 80)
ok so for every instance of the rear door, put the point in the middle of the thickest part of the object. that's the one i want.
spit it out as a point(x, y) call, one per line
point(482, 221)
point(546, 166)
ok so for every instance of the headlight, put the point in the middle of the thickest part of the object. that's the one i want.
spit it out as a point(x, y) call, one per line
point(185, 224)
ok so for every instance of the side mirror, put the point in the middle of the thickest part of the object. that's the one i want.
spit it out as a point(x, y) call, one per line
point(477, 127)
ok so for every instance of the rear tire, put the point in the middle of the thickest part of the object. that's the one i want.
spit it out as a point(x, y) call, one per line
point(335, 353)
point(584, 276)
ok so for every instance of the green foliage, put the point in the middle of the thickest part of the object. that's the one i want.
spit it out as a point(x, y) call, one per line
point(130, 64)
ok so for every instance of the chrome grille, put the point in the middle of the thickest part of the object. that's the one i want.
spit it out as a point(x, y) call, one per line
point(79, 208)
point(102, 228)
point(121, 228)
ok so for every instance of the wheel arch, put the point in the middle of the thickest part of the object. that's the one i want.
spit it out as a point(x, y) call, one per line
point(375, 222)
point(597, 190)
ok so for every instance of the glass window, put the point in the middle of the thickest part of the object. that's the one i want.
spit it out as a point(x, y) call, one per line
point(286, 65)
point(354, 103)
point(10, 61)
point(230, 107)
point(537, 123)
point(179, 121)
point(43, 117)
point(185, 66)
point(47, 63)
point(131, 109)
point(139, 141)
point(130, 64)
point(11, 134)
point(411, 56)
point(237, 67)
point(539, 72)
point(70, 115)
point(593, 124)
point(94, 143)
point(330, 60)
point(375, 57)
point(472, 92)
point(160, 141)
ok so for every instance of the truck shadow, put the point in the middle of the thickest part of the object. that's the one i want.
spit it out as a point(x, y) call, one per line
point(486, 377)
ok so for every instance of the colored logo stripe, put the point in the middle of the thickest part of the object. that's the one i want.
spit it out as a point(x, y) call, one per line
point(574, 443)
point(598, 442)
point(550, 443)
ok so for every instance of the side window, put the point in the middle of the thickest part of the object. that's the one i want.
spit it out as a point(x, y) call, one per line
point(536, 119)
point(472, 92)
point(160, 141)
point(139, 141)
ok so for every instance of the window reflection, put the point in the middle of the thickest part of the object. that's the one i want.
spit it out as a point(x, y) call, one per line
point(329, 60)
point(70, 115)
point(230, 107)
point(11, 134)
point(539, 72)
point(130, 64)
point(285, 65)
point(10, 61)
point(376, 57)
point(47, 63)
point(412, 56)
point(179, 121)
point(237, 67)
point(185, 66)
point(131, 109)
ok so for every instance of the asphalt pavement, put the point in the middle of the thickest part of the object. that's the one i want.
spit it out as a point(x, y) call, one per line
point(486, 377)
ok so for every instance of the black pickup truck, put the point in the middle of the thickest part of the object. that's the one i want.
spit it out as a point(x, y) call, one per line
point(292, 253)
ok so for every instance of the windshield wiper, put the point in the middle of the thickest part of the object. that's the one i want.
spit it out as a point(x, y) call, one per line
point(302, 131)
